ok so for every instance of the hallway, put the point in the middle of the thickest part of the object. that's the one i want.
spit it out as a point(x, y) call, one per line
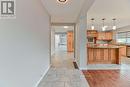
point(62, 73)
point(37, 42)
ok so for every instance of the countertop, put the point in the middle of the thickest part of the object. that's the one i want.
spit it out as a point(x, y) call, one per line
point(105, 47)
point(122, 44)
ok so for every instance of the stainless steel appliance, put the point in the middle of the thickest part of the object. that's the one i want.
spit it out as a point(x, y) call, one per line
point(91, 40)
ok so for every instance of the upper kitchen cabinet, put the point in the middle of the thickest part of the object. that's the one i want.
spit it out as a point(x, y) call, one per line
point(101, 36)
point(109, 35)
point(105, 35)
point(92, 33)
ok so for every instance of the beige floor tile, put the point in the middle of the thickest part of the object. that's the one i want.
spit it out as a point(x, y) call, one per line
point(62, 73)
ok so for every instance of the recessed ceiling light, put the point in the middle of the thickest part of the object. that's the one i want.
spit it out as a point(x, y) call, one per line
point(66, 27)
point(62, 1)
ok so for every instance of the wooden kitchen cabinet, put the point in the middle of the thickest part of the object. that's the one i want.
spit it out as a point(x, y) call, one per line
point(103, 55)
point(70, 41)
point(105, 36)
point(123, 51)
point(92, 33)
point(109, 35)
point(101, 35)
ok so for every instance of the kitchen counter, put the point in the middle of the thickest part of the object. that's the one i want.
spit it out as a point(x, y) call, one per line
point(104, 47)
point(103, 54)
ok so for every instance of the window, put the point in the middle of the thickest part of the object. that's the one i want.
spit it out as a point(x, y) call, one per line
point(128, 40)
point(123, 37)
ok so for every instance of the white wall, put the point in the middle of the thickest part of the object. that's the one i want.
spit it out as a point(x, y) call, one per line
point(24, 45)
point(52, 41)
point(81, 51)
point(123, 29)
point(81, 41)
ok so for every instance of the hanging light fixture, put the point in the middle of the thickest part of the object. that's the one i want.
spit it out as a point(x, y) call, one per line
point(62, 1)
point(104, 27)
point(114, 24)
point(92, 26)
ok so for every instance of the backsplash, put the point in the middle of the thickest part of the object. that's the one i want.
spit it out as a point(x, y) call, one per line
point(103, 42)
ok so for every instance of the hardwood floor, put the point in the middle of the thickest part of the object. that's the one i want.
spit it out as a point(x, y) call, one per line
point(108, 78)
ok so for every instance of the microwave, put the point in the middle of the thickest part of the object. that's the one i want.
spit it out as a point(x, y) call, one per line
point(90, 39)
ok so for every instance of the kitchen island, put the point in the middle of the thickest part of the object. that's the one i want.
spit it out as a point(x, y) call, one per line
point(103, 54)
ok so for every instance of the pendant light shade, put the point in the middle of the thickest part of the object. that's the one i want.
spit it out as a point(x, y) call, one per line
point(92, 26)
point(114, 24)
point(103, 25)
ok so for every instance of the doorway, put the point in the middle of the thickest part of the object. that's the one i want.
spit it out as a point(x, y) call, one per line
point(62, 40)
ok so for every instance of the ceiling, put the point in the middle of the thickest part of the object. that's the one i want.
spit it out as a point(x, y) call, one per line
point(109, 9)
point(63, 13)
point(61, 29)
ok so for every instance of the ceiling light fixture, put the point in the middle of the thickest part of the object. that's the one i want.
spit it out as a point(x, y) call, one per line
point(114, 24)
point(62, 1)
point(66, 27)
point(103, 23)
point(92, 27)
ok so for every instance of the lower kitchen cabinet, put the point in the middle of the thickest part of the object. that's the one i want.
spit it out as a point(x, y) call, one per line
point(103, 56)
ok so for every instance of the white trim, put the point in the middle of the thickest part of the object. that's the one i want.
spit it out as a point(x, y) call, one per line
point(42, 76)
point(52, 54)
point(81, 68)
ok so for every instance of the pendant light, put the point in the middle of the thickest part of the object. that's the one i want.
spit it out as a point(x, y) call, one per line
point(103, 25)
point(92, 26)
point(114, 24)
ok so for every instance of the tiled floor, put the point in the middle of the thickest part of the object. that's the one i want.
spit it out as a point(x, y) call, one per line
point(63, 74)
point(125, 60)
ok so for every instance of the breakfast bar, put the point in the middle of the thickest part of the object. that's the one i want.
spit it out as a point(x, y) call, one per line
point(103, 54)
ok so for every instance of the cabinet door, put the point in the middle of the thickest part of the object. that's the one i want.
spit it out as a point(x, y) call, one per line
point(123, 51)
point(108, 36)
point(105, 36)
point(91, 33)
point(90, 55)
point(70, 42)
point(111, 35)
point(101, 36)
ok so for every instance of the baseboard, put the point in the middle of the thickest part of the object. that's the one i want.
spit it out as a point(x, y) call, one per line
point(81, 68)
point(42, 76)
point(53, 54)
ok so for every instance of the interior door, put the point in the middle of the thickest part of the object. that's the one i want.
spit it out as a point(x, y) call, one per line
point(70, 41)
